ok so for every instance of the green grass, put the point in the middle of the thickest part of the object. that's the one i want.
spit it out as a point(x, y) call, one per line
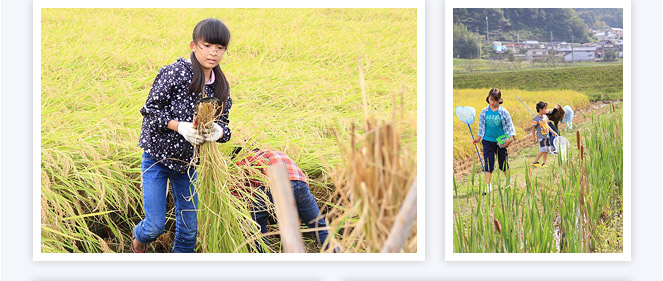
point(294, 81)
point(464, 66)
point(527, 210)
point(600, 82)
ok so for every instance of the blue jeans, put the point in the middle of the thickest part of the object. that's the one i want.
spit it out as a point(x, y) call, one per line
point(155, 183)
point(307, 208)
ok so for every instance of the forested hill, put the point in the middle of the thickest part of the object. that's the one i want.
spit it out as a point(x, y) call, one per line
point(602, 18)
point(537, 24)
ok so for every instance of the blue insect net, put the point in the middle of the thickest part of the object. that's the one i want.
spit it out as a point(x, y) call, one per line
point(465, 114)
point(568, 116)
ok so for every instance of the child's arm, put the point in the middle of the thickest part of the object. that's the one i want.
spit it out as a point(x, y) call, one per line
point(155, 107)
point(224, 120)
point(482, 125)
point(507, 126)
point(512, 139)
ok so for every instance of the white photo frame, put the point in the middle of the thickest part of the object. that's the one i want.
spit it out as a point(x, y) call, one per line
point(419, 5)
point(449, 116)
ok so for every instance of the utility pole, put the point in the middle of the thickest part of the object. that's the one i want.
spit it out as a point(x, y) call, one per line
point(551, 37)
point(572, 39)
point(603, 51)
point(518, 34)
point(487, 40)
point(478, 45)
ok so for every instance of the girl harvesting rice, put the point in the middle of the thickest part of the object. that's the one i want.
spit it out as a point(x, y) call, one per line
point(168, 135)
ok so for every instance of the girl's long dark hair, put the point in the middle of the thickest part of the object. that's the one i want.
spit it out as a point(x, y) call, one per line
point(215, 32)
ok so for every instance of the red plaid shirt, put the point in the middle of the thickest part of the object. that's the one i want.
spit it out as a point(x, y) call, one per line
point(263, 158)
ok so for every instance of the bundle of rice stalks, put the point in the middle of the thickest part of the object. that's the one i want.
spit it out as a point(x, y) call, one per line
point(371, 189)
point(375, 182)
point(225, 221)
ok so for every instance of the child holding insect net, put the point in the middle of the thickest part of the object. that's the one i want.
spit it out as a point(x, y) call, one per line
point(168, 135)
point(541, 131)
point(307, 207)
point(495, 122)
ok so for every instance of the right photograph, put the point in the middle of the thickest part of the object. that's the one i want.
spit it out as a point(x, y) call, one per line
point(538, 132)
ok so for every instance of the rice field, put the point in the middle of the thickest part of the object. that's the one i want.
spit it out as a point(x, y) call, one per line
point(294, 78)
point(572, 206)
point(521, 116)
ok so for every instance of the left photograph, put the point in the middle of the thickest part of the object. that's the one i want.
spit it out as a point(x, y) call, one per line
point(227, 130)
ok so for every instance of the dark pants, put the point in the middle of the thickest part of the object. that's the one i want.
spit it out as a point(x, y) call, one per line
point(552, 137)
point(489, 150)
point(307, 208)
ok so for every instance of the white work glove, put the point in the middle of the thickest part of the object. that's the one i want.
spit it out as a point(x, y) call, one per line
point(189, 133)
point(214, 134)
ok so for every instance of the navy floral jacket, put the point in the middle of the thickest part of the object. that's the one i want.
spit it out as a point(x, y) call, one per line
point(170, 99)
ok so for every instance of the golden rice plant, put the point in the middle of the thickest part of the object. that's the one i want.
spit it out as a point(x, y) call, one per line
point(90, 185)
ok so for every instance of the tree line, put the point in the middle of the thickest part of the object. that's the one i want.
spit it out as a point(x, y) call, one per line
point(472, 25)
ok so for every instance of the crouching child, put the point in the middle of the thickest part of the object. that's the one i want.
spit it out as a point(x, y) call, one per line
point(307, 207)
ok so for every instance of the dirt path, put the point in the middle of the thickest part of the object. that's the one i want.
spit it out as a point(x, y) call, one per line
point(463, 166)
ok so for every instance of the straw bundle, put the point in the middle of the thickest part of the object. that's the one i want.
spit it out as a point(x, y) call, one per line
point(225, 222)
point(375, 182)
point(377, 176)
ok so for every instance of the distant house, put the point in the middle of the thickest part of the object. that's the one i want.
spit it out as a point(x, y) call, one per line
point(619, 46)
point(617, 31)
point(553, 44)
point(536, 54)
point(532, 44)
point(607, 44)
point(564, 50)
point(564, 45)
point(514, 48)
point(594, 45)
point(605, 35)
point(580, 54)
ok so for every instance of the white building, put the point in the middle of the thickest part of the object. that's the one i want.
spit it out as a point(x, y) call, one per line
point(605, 35)
point(536, 54)
point(532, 44)
point(617, 31)
point(581, 54)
